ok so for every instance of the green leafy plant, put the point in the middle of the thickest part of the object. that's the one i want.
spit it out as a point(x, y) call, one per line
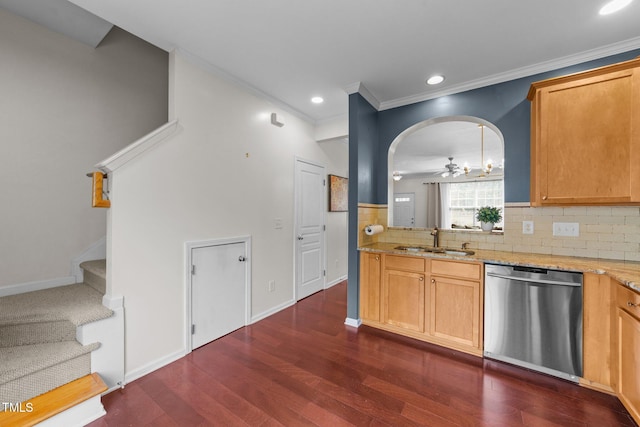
point(489, 214)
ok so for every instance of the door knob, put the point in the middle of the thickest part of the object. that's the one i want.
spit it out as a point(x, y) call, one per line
point(242, 258)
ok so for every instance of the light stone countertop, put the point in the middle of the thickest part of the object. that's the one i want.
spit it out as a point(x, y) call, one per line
point(626, 272)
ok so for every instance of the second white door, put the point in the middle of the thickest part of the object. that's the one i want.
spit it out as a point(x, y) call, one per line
point(310, 228)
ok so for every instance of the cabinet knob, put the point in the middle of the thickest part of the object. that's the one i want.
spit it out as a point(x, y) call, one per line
point(433, 280)
point(421, 279)
point(631, 304)
point(544, 197)
point(377, 257)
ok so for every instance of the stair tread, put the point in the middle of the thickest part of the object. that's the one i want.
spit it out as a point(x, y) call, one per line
point(56, 401)
point(16, 362)
point(79, 304)
point(97, 267)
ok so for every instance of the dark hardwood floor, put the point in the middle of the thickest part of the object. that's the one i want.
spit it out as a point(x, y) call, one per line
point(303, 366)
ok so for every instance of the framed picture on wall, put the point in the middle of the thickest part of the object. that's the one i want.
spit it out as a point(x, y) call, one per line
point(338, 193)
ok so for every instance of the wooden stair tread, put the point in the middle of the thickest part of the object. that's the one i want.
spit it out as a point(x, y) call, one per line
point(55, 401)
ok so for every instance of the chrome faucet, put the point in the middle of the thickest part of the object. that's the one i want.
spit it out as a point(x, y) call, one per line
point(434, 233)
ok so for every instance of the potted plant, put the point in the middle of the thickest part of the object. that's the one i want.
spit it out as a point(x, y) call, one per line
point(488, 216)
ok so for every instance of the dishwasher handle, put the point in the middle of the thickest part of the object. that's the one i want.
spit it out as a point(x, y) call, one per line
point(534, 281)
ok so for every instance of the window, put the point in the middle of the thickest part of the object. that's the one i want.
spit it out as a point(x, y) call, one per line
point(468, 197)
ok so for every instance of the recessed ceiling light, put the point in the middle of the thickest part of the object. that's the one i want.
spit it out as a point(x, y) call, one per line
point(317, 100)
point(434, 80)
point(614, 6)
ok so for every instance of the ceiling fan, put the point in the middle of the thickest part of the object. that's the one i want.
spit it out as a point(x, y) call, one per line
point(452, 169)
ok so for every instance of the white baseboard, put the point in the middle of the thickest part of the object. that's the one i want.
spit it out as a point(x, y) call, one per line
point(274, 310)
point(335, 282)
point(353, 322)
point(97, 250)
point(38, 285)
point(78, 415)
point(152, 366)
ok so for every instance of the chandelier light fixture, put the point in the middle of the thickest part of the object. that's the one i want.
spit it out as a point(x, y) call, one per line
point(485, 168)
point(397, 176)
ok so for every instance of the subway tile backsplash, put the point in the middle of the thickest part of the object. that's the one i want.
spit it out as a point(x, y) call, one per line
point(605, 232)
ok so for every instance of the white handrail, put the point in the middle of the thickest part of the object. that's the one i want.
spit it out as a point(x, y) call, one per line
point(138, 147)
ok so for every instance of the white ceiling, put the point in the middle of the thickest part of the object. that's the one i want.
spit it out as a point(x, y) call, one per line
point(62, 17)
point(291, 50)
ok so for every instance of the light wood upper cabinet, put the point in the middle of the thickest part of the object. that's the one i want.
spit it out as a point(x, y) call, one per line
point(585, 137)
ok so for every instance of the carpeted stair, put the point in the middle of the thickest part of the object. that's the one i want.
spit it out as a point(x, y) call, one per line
point(38, 347)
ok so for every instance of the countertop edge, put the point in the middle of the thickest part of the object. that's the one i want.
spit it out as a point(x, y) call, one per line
point(625, 272)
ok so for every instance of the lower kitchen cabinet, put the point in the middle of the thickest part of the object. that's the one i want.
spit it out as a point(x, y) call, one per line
point(403, 292)
point(627, 350)
point(434, 300)
point(598, 292)
point(455, 311)
point(370, 275)
point(403, 299)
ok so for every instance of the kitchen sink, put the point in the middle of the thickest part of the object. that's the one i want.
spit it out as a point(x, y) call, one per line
point(447, 251)
point(419, 249)
point(458, 252)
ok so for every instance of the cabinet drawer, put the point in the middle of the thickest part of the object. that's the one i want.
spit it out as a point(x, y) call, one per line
point(464, 270)
point(404, 263)
point(628, 300)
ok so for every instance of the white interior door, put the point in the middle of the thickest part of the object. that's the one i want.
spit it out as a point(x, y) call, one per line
point(404, 210)
point(218, 291)
point(310, 201)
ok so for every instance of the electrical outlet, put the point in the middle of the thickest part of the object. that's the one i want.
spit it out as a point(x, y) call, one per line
point(277, 223)
point(566, 229)
point(527, 227)
point(272, 285)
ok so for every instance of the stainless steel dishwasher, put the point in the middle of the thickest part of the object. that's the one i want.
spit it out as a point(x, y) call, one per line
point(533, 318)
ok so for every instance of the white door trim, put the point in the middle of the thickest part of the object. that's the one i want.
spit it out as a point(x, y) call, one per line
point(189, 246)
point(295, 222)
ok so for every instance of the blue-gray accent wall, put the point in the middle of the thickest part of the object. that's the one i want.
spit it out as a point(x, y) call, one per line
point(372, 132)
point(363, 164)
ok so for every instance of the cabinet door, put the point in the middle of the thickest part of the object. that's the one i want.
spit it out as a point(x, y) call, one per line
point(628, 354)
point(455, 310)
point(584, 140)
point(404, 299)
point(370, 265)
point(597, 323)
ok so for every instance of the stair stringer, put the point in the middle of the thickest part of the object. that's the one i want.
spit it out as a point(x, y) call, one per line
point(108, 360)
point(97, 250)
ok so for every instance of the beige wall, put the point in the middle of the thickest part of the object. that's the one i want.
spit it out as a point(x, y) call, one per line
point(226, 172)
point(605, 232)
point(64, 106)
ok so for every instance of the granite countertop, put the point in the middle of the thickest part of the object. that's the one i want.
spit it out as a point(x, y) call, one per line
point(626, 272)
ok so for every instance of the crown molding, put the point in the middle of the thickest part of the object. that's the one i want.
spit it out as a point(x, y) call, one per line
point(359, 87)
point(542, 67)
